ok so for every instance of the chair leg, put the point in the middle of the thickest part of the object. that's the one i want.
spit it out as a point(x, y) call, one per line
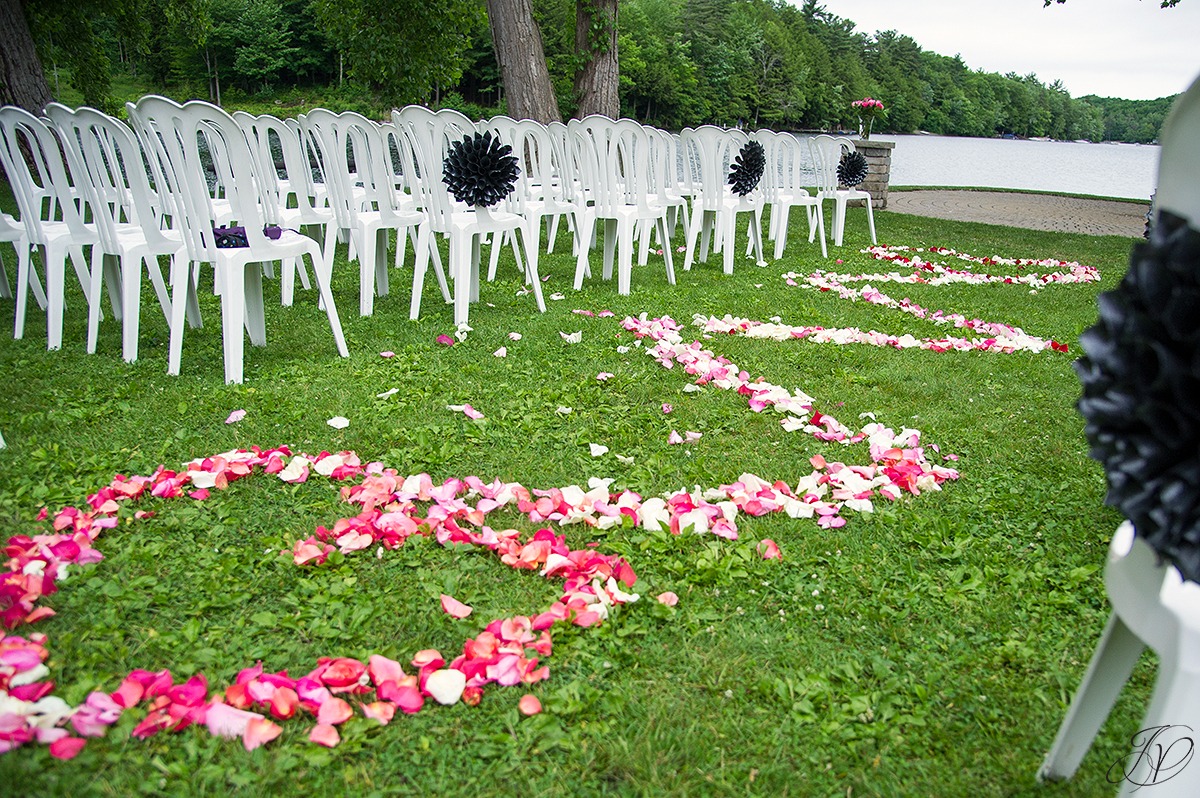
point(181, 288)
point(93, 299)
point(335, 324)
point(1113, 661)
point(131, 301)
point(255, 314)
point(460, 273)
point(871, 222)
point(668, 258)
point(55, 276)
point(611, 227)
point(531, 259)
point(625, 231)
point(779, 223)
point(25, 280)
point(728, 224)
point(584, 234)
point(233, 319)
point(693, 234)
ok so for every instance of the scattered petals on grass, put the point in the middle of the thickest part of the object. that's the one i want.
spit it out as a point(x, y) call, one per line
point(461, 332)
point(597, 449)
point(604, 376)
point(674, 439)
point(235, 416)
point(455, 608)
point(445, 340)
point(624, 459)
point(514, 336)
point(338, 422)
point(501, 352)
point(466, 410)
point(572, 338)
point(529, 705)
point(667, 598)
point(692, 437)
point(667, 409)
point(563, 410)
point(556, 296)
point(387, 354)
point(387, 393)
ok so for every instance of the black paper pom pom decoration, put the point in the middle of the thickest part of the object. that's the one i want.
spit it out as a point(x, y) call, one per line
point(747, 168)
point(852, 169)
point(1141, 383)
point(479, 170)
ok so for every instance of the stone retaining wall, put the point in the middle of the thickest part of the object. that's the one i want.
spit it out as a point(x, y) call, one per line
point(879, 168)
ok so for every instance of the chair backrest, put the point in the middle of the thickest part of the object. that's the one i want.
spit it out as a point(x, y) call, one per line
point(788, 168)
point(110, 166)
point(615, 162)
point(186, 138)
point(566, 161)
point(827, 153)
point(714, 150)
point(349, 135)
point(21, 130)
point(429, 136)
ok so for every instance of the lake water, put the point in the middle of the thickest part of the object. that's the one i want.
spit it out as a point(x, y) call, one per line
point(1105, 170)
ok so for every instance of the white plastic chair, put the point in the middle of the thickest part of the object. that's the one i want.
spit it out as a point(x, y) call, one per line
point(666, 187)
point(784, 188)
point(714, 205)
point(430, 136)
point(175, 134)
point(827, 154)
point(110, 174)
point(377, 209)
point(1152, 606)
point(539, 192)
point(616, 173)
point(56, 238)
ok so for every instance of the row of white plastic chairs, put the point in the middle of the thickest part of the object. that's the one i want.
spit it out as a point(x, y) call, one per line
point(160, 189)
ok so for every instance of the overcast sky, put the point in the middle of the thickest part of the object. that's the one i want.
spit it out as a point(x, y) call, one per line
point(1112, 48)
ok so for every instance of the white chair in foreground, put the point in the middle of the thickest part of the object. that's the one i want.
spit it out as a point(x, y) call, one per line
point(1152, 606)
point(827, 154)
point(175, 133)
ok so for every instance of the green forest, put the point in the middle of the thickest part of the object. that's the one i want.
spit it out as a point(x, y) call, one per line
point(759, 63)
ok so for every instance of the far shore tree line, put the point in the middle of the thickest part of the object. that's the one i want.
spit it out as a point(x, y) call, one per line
point(671, 63)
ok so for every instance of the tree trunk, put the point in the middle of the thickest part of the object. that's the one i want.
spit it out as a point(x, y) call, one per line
point(22, 81)
point(518, 44)
point(596, 43)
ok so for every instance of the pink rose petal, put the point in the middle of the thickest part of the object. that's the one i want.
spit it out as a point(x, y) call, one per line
point(259, 732)
point(668, 598)
point(769, 549)
point(529, 704)
point(387, 354)
point(455, 608)
point(235, 416)
point(67, 747)
point(445, 340)
point(324, 735)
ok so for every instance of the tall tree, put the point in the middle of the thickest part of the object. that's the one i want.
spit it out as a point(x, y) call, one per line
point(598, 77)
point(518, 44)
point(22, 81)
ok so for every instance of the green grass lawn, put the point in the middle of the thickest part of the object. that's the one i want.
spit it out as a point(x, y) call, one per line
point(927, 649)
